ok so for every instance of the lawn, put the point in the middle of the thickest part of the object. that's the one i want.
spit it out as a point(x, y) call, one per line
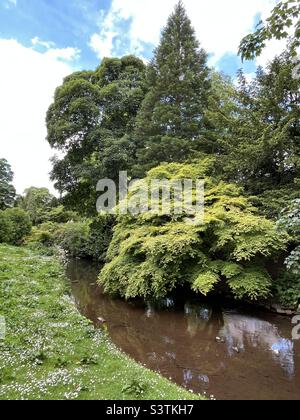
point(51, 352)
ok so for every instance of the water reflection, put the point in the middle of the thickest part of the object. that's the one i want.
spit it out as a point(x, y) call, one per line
point(187, 376)
point(254, 358)
point(284, 350)
point(198, 317)
point(199, 311)
point(239, 330)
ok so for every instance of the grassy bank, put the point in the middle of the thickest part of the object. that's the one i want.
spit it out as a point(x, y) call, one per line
point(50, 351)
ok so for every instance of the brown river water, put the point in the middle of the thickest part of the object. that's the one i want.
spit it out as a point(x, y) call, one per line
point(254, 359)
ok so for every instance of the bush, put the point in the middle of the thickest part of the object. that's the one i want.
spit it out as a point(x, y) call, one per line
point(150, 255)
point(73, 238)
point(290, 222)
point(61, 215)
point(6, 228)
point(43, 234)
point(287, 287)
point(100, 235)
point(88, 238)
point(287, 290)
point(14, 226)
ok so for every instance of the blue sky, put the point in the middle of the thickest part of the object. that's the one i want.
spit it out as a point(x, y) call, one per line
point(41, 41)
point(71, 23)
point(67, 23)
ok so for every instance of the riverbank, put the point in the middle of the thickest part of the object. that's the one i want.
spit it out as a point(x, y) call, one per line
point(51, 352)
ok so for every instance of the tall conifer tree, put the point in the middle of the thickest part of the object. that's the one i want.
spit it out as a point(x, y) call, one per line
point(171, 120)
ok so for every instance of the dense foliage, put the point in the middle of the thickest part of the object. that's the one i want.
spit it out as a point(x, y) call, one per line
point(14, 226)
point(173, 119)
point(256, 134)
point(286, 290)
point(85, 238)
point(290, 221)
point(38, 203)
point(133, 117)
point(151, 255)
point(100, 236)
point(7, 190)
point(91, 121)
point(170, 124)
point(73, 238)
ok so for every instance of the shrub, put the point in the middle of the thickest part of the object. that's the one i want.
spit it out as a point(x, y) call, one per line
point(61, 215)
point(151, 255)
point(100, 235)
point(87, 238)
point(15, 225)
point(6, 228)
point(73, 238)
point(290, 221)
point(43, 234)
point(287, 290)
point(287, 287)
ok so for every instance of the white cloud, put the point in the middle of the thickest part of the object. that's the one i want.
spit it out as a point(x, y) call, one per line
point(13, 2)
point(273, 48)
point(28, 79)
point(220, 25)
point(36, 41)
point(102, 44)
point(65, 54)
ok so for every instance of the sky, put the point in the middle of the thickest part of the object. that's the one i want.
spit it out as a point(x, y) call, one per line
point(42, 41)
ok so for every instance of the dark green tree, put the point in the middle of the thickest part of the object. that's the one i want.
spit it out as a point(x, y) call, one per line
point(7, 190)
point(91, 121)
point(222, 115)
point(257, 134)
point(170, 124)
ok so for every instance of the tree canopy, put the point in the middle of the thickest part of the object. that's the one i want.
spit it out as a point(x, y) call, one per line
point(151, 255)
point(38, 203)
point(256, 133)
point(7, 190)
point(91, 121)
point(170, 124)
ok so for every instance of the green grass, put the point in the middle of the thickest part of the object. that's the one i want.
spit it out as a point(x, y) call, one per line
point(51, 352)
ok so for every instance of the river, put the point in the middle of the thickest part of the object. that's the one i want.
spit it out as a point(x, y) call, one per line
point(229, 352)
